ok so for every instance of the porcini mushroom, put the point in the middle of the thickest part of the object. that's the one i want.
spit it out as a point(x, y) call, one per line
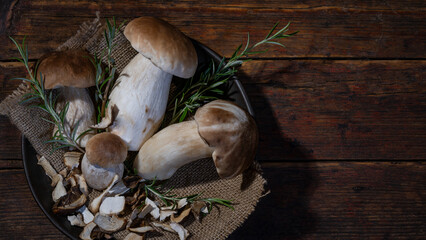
point(141, 91)
point(104, 157)
point(71, 72)
point(220, 129)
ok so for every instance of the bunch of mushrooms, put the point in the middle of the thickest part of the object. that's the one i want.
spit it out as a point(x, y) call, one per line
point(220, 129)
point(141, 91)
point(71, 72)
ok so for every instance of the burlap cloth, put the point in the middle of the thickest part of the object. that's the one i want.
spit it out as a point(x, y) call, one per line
point(198, 177)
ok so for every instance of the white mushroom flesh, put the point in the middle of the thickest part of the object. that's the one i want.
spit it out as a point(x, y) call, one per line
point(80, 114)
point(160, 157)
point(96, 203)
point(76, 220)
point(87, 215)
point(82, 185)
point(155, 212)
point(141, 229)
point(181, 231)
point(87, 231)
point(112, 205)
point(72, 160)
point(140, 94)
point(109, 224)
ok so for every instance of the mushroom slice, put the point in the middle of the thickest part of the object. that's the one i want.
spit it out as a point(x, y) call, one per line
point(82, 184)
point(72, 160)
point(132, 217)
point(163, 226)
point(133, 236)
point(166, 213)
point(59, 190)
point(182, 215)
point(145, 210)
point(118, 189)
point(87, 215)
point(112, 205)
point(155, 212)
point(198, 207)
point(109, 224)
point(64, 172)
point(50, 171)
point(76, 220)
point(70, 203)
point(181, 231)
point(87, 231)
point(96, 203)
point(143, 229)
point(182, 203)
point(132, 181)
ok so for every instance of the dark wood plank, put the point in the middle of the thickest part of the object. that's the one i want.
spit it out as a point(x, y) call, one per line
point(308, 200)
point(335, 29)
point(317, 109)
point(20, 217)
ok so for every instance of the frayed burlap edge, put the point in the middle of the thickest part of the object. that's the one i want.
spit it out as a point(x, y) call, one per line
point(245, 190)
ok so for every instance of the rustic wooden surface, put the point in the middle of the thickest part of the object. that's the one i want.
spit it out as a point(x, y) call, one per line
point(341, 111)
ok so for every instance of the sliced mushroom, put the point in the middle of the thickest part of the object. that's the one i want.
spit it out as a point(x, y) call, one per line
point(49, 170)
point(143, 229)
point(155, 212)
point(163, 226)
point(76, 220)
point(197, 208)
point(112, 205)
point(145, 210)
point(109, 224)
point(220, 129)
point(181, 231)
point(96, 203)
point(70, 203)
point(133, 236)
point(81, 181)
point(165, 214)
point(59, 190)
point(181, 216)
point(72, 160)
point(142, 89)
point(87, 215)
point(87, 231)
point(64, 172)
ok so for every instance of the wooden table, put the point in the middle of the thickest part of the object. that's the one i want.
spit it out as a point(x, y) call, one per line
point(341, 110)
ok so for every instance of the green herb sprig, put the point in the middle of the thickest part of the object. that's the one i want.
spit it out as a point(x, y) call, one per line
point(209, 85)
point(172, 199)
point(63, 136)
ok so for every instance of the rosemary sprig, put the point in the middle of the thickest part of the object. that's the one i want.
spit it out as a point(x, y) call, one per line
point(209, 85)
point(64, 136)
point(172, 200)
point(105, 76)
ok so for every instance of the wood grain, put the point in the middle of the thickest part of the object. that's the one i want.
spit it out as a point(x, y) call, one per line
point(338, 30)
point(309, 200)
point(319, 109)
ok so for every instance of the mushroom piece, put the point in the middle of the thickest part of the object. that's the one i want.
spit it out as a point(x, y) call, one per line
point(180, 230)
point(141, 91)
point(49, 170)
point(220, 129)
point(71, 72)
point(59, 190)
point(109, 224)
point(96, 202)
point(76, 220)
point(87, 231)
point(112, 205)
point(104, 157)
point(70, 203)
point(72, 160)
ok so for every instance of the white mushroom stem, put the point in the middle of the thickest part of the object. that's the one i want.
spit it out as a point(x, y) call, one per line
point(80, 114)
point(169, 149)
point(140, 95)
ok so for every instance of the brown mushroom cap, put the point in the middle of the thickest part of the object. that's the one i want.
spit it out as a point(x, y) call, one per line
point(166, 46)
point(233, 133)
point(106, 150)
point(70, 68)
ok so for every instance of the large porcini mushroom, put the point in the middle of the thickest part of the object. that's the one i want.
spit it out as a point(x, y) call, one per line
point(104, 157)
point(71, 72)
point(141, 91)
point(220, 129)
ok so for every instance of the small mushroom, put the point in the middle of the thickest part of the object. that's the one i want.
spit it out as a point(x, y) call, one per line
point(220, 129)
point(141, 91)
point(49, 170)
point(109, 224)
point(87, 231)
point(72, 72)
point(112, 205)
point(104, 157)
